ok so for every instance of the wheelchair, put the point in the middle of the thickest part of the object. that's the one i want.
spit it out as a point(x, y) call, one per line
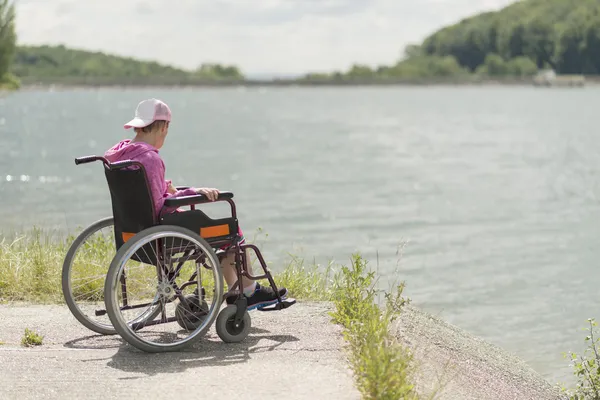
point(157, 281)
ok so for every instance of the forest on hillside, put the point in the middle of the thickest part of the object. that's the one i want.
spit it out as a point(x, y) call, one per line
point(561, 34)
point(56, 63)
point(515, 41)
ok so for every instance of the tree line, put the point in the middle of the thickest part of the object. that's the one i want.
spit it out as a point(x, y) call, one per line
point(560, 34)
point(58, 64)
point(517, 41)
point(61, 64)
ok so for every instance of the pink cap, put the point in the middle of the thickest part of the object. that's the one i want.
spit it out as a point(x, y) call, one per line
point(149, 111)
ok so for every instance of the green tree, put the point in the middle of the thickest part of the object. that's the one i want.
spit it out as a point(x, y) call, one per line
point(562, 34)
point(521, 66)
point(215, 71)
point(428, 67)
point(412, 50)
point(591, 44)
point(360, 71)
point(8, 37)
point(540, 41)
point(494, 65)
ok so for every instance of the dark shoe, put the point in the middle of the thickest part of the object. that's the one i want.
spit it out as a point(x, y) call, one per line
point(263, 296)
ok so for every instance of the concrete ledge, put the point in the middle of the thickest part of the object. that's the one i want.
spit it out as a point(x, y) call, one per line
point(465, 366)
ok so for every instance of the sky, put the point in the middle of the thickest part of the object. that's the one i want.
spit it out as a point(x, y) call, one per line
point(261, 37)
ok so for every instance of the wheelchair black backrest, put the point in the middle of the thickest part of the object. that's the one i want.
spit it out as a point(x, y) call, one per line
point(132, 204)
point(134, 211)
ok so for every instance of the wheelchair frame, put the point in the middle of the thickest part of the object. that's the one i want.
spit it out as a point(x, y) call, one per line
point(216, 234)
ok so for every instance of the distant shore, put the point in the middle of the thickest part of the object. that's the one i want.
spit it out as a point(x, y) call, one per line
point(28, 84)
point(281, 83)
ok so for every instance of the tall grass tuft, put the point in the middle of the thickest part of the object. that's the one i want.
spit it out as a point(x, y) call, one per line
point(381, 365)
point(586, 367)
point(30, 267)
point(307, 282)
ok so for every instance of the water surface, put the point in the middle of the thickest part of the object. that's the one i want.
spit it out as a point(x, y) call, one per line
point(484, 200)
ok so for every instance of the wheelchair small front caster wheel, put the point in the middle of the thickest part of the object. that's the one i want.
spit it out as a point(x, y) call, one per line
point(225, 325)
point(191, 320)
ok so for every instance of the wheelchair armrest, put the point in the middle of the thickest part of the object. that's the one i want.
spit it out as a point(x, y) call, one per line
point(195, 199)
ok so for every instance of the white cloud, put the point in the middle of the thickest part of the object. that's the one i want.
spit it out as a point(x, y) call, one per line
point(263, 36)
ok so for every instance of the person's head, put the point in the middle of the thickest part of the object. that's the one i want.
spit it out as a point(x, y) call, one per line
point(151, 122)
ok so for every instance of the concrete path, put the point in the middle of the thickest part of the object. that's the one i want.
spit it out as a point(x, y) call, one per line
point(292, 354)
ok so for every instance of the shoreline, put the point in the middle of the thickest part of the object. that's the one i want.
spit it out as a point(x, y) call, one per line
point(84, 84)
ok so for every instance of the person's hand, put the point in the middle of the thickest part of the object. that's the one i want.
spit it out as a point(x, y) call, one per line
point(171, 189)
point(211, 193)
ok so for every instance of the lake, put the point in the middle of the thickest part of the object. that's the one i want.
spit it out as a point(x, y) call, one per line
point(484, 200)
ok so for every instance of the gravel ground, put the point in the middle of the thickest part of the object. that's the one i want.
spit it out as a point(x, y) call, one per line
point(290, 354)
point(465, 366)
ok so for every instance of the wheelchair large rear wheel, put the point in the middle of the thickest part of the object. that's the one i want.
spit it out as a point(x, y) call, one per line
point(175, 268)
point(84, 274)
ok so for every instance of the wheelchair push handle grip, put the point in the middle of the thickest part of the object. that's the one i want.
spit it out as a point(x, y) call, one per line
point(86, 159)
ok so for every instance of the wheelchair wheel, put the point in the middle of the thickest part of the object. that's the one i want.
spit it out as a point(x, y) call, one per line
point(84, 273)
point(181, 260)
point(225, 325)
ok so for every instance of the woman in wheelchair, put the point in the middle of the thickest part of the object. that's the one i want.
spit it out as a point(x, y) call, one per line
point(151, 126)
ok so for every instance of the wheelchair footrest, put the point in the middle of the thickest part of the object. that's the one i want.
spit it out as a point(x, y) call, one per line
point(279, 305)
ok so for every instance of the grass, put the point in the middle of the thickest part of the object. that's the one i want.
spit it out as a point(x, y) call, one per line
point(31, 338)
point(31, 268)
point(31, 265)
point(382, 366)
point(586, 368)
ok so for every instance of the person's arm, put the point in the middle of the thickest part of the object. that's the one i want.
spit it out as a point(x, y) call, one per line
point(211, 193)
point(171, 191)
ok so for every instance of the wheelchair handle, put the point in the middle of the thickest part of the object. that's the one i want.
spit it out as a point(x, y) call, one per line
point(89, 159)
point(112, 166)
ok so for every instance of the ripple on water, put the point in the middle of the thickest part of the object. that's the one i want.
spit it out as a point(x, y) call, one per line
point(40, 179)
